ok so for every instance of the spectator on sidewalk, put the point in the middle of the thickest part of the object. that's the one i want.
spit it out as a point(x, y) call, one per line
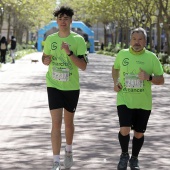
point(102, 46)
point(64, 53)
point(88, 45)
point(134, 71)
point(13, 44)
point(36, 45)
point(3, 49)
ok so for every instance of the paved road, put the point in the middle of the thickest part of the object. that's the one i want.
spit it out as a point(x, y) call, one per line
point(25, 121)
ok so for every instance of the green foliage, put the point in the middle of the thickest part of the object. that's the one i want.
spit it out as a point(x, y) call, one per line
point(19, 54)
point(22, 53)
point(163, 58)
point(168, 60)
point(28, 15)
point(166, 68)
point(108, 53)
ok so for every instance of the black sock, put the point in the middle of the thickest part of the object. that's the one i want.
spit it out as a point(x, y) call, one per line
point(136, 146)
point(124, 142)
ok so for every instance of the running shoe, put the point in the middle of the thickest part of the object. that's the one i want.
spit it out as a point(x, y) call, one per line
point(133, 163)
point(68, 159)
point(56, 166)
point(124, 158)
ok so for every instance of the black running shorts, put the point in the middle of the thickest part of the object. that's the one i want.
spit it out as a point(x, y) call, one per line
point(63, 99)
point(137, 119)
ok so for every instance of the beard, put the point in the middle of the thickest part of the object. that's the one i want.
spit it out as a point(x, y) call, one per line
point(137, 47)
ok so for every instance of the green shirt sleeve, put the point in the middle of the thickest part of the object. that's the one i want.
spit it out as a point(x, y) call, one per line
point(47, 46)
point(81, 50)
point(157, 67)
point(116, 62)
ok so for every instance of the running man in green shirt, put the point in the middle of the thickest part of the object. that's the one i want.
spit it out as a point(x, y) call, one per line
point(134, 71)
point(64, 53)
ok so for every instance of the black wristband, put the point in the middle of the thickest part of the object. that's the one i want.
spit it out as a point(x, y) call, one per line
point(150, 78)
point(71, 53)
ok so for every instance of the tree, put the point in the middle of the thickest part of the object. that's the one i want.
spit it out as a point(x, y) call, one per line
point(164, 18)
point(1, 15)
point(125, 14)
point(26, 16)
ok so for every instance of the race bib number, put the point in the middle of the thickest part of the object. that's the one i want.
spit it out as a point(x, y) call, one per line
point(132, 81)
point(60, 74)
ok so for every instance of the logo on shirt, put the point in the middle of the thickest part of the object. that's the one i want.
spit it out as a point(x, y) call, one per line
point(54, 46)
point(140, 62)
point(125, 62)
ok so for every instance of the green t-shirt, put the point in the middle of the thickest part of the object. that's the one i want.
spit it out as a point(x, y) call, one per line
point(62, 72)
point(136, 93)
point(88, 44)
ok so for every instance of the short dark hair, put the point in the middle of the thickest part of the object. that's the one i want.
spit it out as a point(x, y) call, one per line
point(63, 10)
point(140, 29)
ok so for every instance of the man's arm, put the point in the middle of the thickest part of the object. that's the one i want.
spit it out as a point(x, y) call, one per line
point(115, 76)
point(157, 80)
point(79, 62)
point(46, 59)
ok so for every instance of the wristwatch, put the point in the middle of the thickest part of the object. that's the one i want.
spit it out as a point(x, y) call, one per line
point(150, 78)
point(71, 53)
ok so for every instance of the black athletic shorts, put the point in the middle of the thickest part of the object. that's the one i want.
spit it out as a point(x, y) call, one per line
point(137, 119)
point(62, 99)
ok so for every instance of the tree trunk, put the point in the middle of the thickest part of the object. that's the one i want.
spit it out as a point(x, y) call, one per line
point(19, 32)
point(105, 35)
point(168, 40)
point(158, 49)
point(117, 35)
point(27, 36)
point(9, 26)
point(127, 37)
point(1, 22)
point(150, 37)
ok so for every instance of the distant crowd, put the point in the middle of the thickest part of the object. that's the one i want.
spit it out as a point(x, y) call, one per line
point(6, 46)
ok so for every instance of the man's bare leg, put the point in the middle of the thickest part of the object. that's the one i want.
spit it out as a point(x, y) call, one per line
point(56, 116)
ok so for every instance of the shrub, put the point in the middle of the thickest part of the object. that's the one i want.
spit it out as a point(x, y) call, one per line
point(166, 68)
point(163, 57)
point(19, 54)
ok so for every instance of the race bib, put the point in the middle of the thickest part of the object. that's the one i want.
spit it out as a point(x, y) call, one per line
point(60, 74)
point(132, 81)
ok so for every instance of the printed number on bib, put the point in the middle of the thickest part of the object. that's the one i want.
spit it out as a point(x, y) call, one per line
point(60, 74)
point(132, 81)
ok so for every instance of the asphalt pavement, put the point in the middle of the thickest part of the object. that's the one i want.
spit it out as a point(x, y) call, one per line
point(25, 122)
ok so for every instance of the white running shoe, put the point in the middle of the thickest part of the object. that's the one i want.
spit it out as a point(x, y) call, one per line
point(68, 159)
point(56, 166)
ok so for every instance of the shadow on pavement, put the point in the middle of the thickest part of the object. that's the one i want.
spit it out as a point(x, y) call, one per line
point(25, 122)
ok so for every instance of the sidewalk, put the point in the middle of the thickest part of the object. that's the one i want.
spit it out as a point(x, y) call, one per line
point(26, 124)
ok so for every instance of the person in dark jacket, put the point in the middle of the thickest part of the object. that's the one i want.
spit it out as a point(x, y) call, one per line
point(13, 47)
point(3, 49)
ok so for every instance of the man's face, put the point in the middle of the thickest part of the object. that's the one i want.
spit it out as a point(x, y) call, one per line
point(137, 41)
point(64, 21)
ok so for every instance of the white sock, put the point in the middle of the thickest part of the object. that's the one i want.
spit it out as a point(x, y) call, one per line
point(68, 148)
point(56, 158)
